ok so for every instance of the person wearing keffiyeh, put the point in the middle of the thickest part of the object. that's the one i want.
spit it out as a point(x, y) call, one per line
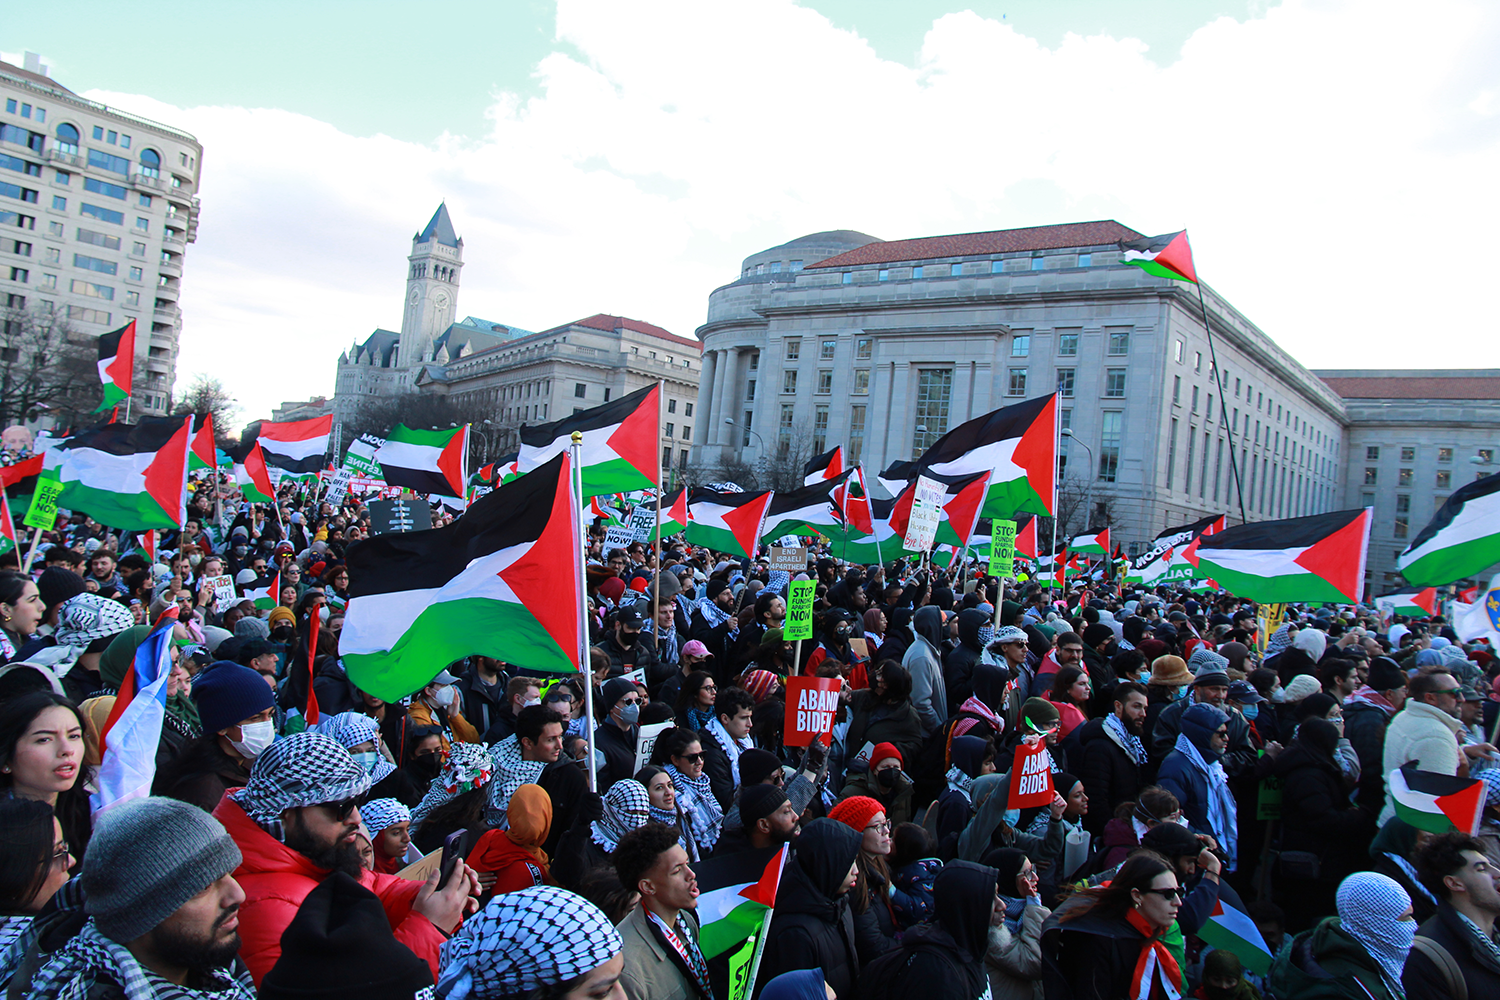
point(1193, 773)
point(681, 755)
point(1365, 946)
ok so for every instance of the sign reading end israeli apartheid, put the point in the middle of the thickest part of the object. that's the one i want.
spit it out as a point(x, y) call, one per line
point(811, 706)
point(1002, 547)
point(788, 558)
point(799, 608)
point(1030, 776)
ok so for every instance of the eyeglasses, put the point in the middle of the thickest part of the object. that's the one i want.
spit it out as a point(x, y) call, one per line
point(879, 827)
point(62, 855)
point(709, 687)
point(695, 757)
point(1176, 892)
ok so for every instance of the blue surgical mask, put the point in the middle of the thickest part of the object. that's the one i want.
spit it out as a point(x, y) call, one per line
point(1180, 693)
point(1250, 711)
point(367, 759)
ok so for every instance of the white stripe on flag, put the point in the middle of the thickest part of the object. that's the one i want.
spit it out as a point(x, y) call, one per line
point(129, 764)
point(295, 450)
point(375, 622)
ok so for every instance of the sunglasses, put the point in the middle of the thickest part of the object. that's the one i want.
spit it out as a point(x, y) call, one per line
point(340, 810)
point(1176, 892)
point(695, 757)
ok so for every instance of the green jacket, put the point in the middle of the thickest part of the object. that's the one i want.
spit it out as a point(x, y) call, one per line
point(1326, 962)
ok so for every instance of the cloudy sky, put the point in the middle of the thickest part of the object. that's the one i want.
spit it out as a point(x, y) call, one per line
point(1332, 160)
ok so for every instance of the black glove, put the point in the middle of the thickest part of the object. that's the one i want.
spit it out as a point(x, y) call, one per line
point(815, 757)
point(591, 807)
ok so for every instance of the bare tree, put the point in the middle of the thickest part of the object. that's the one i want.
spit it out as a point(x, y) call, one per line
point(1080, 510)
point(207, 394)
point(46, 368)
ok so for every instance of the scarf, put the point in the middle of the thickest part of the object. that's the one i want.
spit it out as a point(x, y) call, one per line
point(703, 812)
point(627, 806)
point(687, 951)
point(1481, 945)
point(961, 783)
point(1155, 963)
point(674, 819)
point(1222, 818)
point(731, 746)
point(1115, 729)
point(699, 718)
point(1014, 910)
point(668, 645)
point(1411, 875)
point(1367, 695)
point(1279, 641)
point(16, 935)
point(511, 772)
point(76, 967)
point(1368, 903)
point(468, 767)
point(713, 614)
point(976, 707)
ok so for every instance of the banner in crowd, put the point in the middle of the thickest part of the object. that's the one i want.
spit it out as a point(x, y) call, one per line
point(811, 705)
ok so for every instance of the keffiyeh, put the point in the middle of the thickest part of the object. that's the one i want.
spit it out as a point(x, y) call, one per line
point(1115, 729)
point(512, 770)
point(91, 958)
point(380, 814)
point(732, 747)
point(524, 940)
point(627, 806)
point(468, 767)
point(351, 729)
point(712, 613)
point(302, 770)
point(961, 783)
point(703, 811)
point(86, 617)
point(1368, 905)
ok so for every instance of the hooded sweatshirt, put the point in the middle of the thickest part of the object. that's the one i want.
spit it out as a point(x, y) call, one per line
point(923, 661)
point(812, 927)
point(943, 958)
point(974, 631)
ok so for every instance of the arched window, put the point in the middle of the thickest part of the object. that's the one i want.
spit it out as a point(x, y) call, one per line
point(67, 138)
point(150, 163)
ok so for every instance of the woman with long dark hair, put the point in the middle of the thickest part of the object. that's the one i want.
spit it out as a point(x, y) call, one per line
point(21, 611)
point(1070, 693)
point(41, 758)
point(679, 752)
point(695, 700)
point(1111, 944)
point(33, 866)
point(875, 930)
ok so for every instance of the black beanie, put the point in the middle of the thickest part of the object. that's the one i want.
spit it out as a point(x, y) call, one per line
point(339, 945)
point(759, 801)
point(756, 765)
point(57, 584)
point(1385, 674)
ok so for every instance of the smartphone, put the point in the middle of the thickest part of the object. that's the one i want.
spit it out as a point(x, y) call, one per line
point(452, 850)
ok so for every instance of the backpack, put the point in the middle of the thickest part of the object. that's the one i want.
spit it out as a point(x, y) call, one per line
point(1453, 976)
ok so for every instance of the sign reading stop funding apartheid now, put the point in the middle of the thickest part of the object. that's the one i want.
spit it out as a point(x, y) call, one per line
point(1031, 776)
point(1002, 547)
point(799, 607)
point(811, 705)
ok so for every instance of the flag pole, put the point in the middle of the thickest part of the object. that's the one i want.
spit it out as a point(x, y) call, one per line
point(575, 486)
point(661, 390)
point(36, 538)
point(1213, 357)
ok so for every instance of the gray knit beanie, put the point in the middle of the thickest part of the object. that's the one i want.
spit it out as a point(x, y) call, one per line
point(148, 857)
point(252, 628)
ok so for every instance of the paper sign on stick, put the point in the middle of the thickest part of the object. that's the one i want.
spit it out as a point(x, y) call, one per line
point(1002, 547)
point(799, 607)
point(926, 512)
point(811, 705)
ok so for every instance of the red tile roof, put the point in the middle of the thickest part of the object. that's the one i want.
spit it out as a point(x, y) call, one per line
point(1072, 234)
point(609, 324)
point(1415, 387)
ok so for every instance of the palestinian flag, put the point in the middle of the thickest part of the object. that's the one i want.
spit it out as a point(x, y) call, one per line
point(1411, 602)
point(1462, 540)
point(127, 476)
point(295, 446)
point(608, 512)
point(19, 480)
point(204, 454)
point(1437, 802)
point(1168, 558)
point(1317, 558)
point(265, 598)
point(879, 545)
point(812, 510)
point(1026, 537)
point(853, 502)
point(1232, 930)
point(674, 512)
point(116, 365)
point(431, 462)
point(896, 475)
point(8, 541)
point(727, 522)
point(253, 477)
point(1091, 544)
point(1167, 256)
point(497, 473)
point(620, 443)
point(501, 581)
point(824, 466)
point(734, 893)
point(961, 508)
point(1016, 445)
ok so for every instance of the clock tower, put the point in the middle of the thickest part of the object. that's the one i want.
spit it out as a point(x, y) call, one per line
point(431, 288)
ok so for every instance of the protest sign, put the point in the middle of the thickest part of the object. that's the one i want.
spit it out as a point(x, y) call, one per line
point(926, 512)
point(789, 559)
point(618, 536)
point(645, 742)
point(1002, 547)
point(811, 705)
point(224, 595)
point(360, 457)
point(643, 521)
point(43, 510)
point(400, 514)
point(799, 607)
point(338, 487)
point(1031, 776)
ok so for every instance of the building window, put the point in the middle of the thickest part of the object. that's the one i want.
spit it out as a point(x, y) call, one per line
point(666, 457)
point(1119, 343)
point(1445, 454)
point(1067, 343)
point(775, 267)
point(104, 240)
point(137, 249)
point(1177, 390)
point(1372, 453)
point(1111, 427)
point(745, 427)
point(91, 289)
point(142, 225)
point(825, 383)
point(1445, 479)
point(848, 278)
point(88, 315)
point(136, 274)
point(687, 409)
point(796, 265)
point(1371, 476)
point(1187, 472)
point(1486, 455)
point(671, 428)
point(1403, 477)
point(606, 392)
point(750, 391)
point(861, 382)
point(96, 212)
point(863, 348)
point(934, 389)
point(1408, 453)
point(579, 390)
point(1085, 260)
point(1037, 263)
point(1114, 383)
point(1065, 382)
point(784, 431)
point(954, 270)
point(1020, 345)
point(916, 272)
point(104, 188)
point(789, 381)
point(687, 432)
point(826, 349)
point(884, 274)
point(1064, 422)
point(1171, 450)
point(856, 432)
point(61, 204)
point(1017, 384)
point(754, 361)
point(820, 428)
point(1194, 407)
point(1177, 351)
point(671, 406)
point(132, 299)
point(95, 264)
point(1403, 514)
point(793, 349)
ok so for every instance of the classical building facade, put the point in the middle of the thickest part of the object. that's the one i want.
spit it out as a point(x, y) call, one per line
point(839, 337)
point(514, 375)
point(96, 210)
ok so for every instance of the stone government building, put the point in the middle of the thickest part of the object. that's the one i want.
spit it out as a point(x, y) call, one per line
point(884, 346)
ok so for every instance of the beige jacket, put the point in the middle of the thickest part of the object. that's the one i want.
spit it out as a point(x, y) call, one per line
point(650, 973)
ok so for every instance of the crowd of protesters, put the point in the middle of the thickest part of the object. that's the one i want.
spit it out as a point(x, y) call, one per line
point(1198, 765)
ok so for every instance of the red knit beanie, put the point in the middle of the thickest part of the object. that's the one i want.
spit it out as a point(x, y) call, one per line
point(882, 751)
point(856, 812)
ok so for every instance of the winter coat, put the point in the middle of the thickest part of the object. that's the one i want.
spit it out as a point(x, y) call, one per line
point(873, 721)
point(484, 704)
point(929, 693)
point(1014, 959)
point(1364, 728)
point(618, 748)
point(958, 671)
point(1090, 957)
point(943, 958)
point(1425, 981)
point(896, 801)
point(1118, 840)
point(1421, 733)
point(454, 726)
point(812, 926)
point(201, 774)
point(1239, 753)
point(1326, 962)
point(911, 892)
point(1316, 815)
point(1190, 785)
point(1109, 774)
point(875, 931)
point(641, 656)
point(276, 879)
point(1070, 716)
point(650, 972)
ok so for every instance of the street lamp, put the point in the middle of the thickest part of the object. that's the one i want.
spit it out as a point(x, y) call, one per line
point(1088, 495)
point(748, 430)
point(483, 439)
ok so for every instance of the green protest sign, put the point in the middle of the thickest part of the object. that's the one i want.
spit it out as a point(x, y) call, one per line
point(799, 608)
point(739, 969)
point(43, 510)
point(1002, 547)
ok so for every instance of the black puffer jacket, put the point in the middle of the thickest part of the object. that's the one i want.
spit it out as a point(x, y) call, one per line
point(1315, 813)
point(958, 671)
point(944, 958)
point(1109, 774)
point(812, 927)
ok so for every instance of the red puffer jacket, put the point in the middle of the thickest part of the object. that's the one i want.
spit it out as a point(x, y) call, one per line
point(276, 879)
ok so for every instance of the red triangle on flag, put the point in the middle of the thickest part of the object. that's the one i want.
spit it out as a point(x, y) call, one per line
point(1036, 452)
point(1339, 558)
point(166, 476)
point(121, 369)
point(744, 521)
point(636, 438)
point(451, 460)
point(763, 891)
point(1426, 600)
point(543, 578)
point(1190, 554)
point(255, 468)
point(901, 511)
point(203, 441)
point(1178, 256)
point(679, 509)
point(963, 509)
point(1026, 540)
point(1463, 808)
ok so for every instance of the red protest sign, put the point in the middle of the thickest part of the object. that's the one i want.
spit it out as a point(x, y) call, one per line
point(1030, 776)
point(811, 704)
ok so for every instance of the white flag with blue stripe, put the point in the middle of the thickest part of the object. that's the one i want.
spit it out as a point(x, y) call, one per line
point(133, 730)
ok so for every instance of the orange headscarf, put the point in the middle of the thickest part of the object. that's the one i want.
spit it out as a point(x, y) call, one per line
point(530, 816)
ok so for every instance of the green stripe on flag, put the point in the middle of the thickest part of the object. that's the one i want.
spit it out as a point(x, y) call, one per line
point(1290, 587)
point(739, 923)
point(432, 439)
point(129, 511)
point(614, 476)
point(1007, 499)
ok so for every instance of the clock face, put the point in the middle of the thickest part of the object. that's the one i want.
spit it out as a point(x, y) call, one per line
point(415, 296)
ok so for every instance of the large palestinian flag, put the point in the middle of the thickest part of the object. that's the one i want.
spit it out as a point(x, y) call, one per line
point(1016, 445)
point(961, 508)
point(1463, 538)
point(1316, 558)
point(252, 474)
point(1173, 554)
point(824, 466)
point(116, 365)
point(501, 581)
point(1167, 256)
point(1410, 602)
point(812, 510)
point(204, 453)
point(1437, 802)
point(426, 461)
point(127, 476)
point(734, 893)
point(1092, 544)
point(727, 522)
point(620, 443)
point(296, 447)
point(265, 598)
point(674, 512)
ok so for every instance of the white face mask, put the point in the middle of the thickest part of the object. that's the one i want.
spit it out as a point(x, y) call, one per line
point(255, 737)
point(529, 703)
point(444, 696)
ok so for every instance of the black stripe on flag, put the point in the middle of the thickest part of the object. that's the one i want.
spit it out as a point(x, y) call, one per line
point(109, 343)
point(1476, 490)
point(819, 463)
point(151, 434)
point(1000, 425)
point(513, 514)
point(723, 499)
point(607, 415)
point(1291, 533)
point(807, 496)
point(417, 480)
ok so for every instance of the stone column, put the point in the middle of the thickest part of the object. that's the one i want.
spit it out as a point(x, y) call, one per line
point(706, 403)
point(721, 364)
point(728, 397)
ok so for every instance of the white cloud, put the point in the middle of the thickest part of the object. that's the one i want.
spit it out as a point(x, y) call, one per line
point(1331, 159)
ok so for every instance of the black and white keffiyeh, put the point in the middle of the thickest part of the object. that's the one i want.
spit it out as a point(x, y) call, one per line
point(627, 806)
point(712, 613)
point(1115, 729)
point(696, 799)
point(512, 770)
point(307, 769)
point(468, 767)
point(526, 940)
point(91, 958)
point(351, 729)
point(381, 814)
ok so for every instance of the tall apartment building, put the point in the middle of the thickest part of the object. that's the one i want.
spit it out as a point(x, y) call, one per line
point(96, 210)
